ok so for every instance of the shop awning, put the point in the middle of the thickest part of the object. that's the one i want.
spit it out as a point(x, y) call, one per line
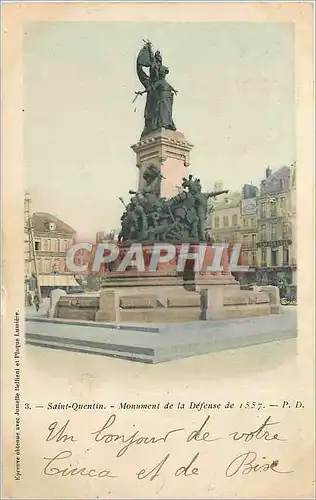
point(58, 280)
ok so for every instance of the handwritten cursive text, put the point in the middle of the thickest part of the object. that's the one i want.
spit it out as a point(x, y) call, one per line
point(52, 470)
point(128, 441)
point(248, 462)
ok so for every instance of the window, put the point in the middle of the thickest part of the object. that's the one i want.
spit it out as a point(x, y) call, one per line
point(282, 203)
point(273, 209)
point(245, 239)
point(285, 230)
point(254, 259)
point(245, 222)
point(263, 232)
point(274, 257)
point(285, 256)
point(216, 221)
point(46, 266)
point(225, 221)
point(45, 245)
point(264, 256)
point(253, 222)
point(54, 247)
point(63, 245)
point(273, 232)
point(254, 239)
point(49, 243)
point(263, 210)
point(235, 221)
point(37, 245)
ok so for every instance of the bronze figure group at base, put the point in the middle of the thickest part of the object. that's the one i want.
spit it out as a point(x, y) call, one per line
point(150, 218)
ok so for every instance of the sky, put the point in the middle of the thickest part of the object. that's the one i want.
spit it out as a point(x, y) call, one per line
point(236, 104)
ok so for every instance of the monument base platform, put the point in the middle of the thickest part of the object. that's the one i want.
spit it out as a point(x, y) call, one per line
point(156, 343)
point(166, 296)
point(154, 299)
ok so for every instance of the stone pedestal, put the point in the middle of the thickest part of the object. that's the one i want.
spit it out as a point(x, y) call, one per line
point(162, 295)
point(274, 295)
point(108, 306)
point(54, 298)
point(169, 151)
point(225, 299)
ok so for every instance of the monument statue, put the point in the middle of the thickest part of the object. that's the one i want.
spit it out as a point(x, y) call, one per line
point(159, 93)
point(150, 218)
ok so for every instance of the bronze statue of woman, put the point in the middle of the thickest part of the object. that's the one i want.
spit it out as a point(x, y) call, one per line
point(159, 102)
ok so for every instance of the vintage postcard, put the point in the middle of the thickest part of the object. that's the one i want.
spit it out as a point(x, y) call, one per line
point(157, 250)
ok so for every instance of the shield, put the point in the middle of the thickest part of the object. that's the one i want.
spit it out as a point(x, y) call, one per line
point(144, 60)
point(144, 57)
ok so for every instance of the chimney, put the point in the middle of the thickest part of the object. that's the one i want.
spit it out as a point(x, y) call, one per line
point(268, 172)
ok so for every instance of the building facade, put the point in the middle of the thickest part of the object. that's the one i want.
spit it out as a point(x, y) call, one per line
point(263, 221)
point(47, 240)
point(107, 236)
point(249, 229)
point(277, 227)
point(233, 220)
point(224, 217)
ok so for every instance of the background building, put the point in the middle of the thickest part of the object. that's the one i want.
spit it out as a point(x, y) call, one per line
point(276, 227)
point(47, 240)
point(224, 217)
point(249, 228)
point(264, 223)
point(107, 236)
point(293, 224)
point(226, 223)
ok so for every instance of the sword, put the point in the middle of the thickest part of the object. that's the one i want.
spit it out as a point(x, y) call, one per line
point(155, 169)
point(137, 94)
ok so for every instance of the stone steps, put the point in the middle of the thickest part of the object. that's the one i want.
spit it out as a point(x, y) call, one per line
point(157, 343)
